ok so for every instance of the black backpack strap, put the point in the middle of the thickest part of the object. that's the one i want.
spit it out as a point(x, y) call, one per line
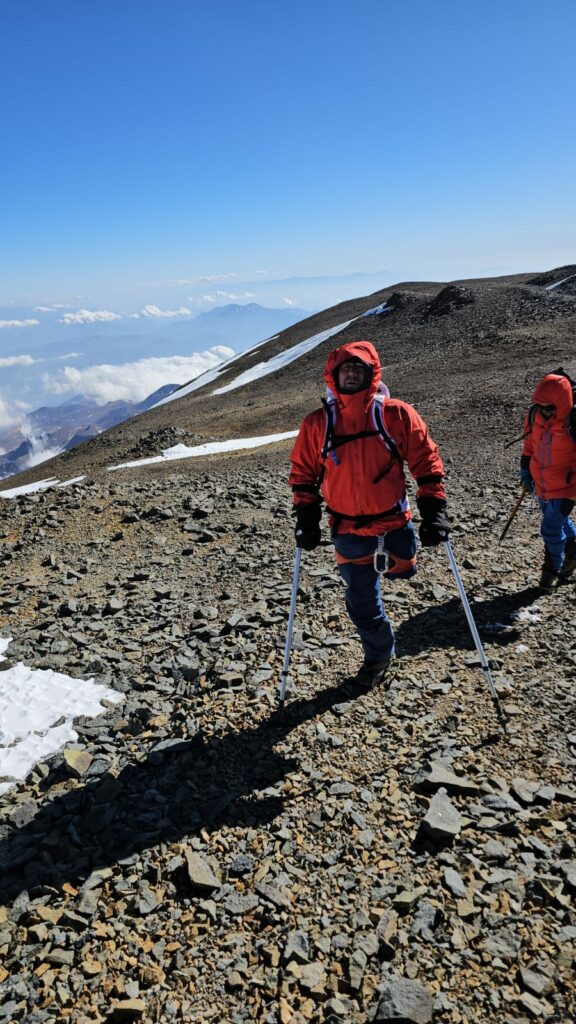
point(360, 521)
point(332, 440)
point(330, 434)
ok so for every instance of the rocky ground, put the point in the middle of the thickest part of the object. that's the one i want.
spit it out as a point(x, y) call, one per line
point(389, 856)
point(197, 856)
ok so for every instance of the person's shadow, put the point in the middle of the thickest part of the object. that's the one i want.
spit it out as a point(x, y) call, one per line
point(446, 625)
point(196, 785)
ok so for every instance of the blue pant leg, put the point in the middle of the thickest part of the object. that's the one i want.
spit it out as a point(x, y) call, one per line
point(363, 597)
point(401, 545)
point(569, 529)
point(556, 527)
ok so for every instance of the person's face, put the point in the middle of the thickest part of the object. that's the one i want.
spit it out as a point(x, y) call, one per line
point(352, 377)
point(547, 411)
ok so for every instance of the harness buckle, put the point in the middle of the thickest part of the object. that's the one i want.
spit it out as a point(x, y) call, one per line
point(381, 556)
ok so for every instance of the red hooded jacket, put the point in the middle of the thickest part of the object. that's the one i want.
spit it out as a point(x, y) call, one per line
point(548, 445)
point(362, 477)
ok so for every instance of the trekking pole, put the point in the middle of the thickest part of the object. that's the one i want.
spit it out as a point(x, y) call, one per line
point(288, 647)
point(523, 494)
point(476, 637)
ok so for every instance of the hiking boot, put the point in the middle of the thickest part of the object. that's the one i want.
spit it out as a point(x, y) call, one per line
point(548, 579)
point(569, 560)
point(372, 672)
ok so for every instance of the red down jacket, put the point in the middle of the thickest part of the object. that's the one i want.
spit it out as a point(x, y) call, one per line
point(362, 478)
point(551, 450)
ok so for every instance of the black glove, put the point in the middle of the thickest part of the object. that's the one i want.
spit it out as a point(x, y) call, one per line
point(307, 531)
point(435, 526)
point(525, 475)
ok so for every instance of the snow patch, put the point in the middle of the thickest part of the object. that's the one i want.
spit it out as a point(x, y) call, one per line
point(282, 359)
point(32, 701)
point(550, 287)
point(39, 485)
point(182, 451)
point(527, 615)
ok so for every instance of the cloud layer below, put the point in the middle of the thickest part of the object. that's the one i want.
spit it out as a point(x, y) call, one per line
point(132, 382)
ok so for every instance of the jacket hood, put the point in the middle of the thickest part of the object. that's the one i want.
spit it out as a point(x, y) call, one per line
point(363, 350)
point(554, 390)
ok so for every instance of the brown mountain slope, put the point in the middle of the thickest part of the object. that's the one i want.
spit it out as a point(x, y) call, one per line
point(448, 349)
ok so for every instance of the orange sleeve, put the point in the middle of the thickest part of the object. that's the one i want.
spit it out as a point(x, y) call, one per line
point(306, 461)
point(420, 452)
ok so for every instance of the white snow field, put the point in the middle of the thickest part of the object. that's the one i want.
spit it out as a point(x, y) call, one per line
point(182, 451)
point(32, 701)
point(39, 485)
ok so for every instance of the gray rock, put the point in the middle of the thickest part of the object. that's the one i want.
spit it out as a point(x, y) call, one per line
point(402, 999)
point(504, 943)
point(535, 982)
point(454, 882)
point(438, 774)
point(200, 873)
point(238, 904)
point(297, 947)
point(442, 820)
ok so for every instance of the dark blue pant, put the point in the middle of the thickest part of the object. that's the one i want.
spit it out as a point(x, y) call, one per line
point(363, 596)
point(556, 528)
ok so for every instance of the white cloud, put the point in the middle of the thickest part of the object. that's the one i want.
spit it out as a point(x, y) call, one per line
point(154, 311)
point(132, 382)
point(260, 273)
point(88, 316)
point(218, 277)
point(201, 300)
point(50, 309)
point(5, 324)
point(233, 297)
point(17, 361)
point(8, 415)
point(70, 355)
point(289, 302)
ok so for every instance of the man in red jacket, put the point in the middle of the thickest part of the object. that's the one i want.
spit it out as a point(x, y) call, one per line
point(352, 453)
point(548, 466)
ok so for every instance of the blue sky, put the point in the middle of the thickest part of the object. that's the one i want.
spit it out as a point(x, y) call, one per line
point(177, 153)
point(152, 142)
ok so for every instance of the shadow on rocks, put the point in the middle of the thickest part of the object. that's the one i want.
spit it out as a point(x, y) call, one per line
point(196, 785)
point(446, 625)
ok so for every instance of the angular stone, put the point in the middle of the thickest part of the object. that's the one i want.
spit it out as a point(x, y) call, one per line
point(442, 820)
point(279, 897)
point(535, 1007)
point(200, 873)
point(524, 790)
point(504, 943)
point(437, 774)
point(296, 947)
point(78, 761)
point(453, 881)
point(239, 904)
point(404, 1000)
point(406, 899)
point(537, 983)
point(356, 968)
point(313, 976)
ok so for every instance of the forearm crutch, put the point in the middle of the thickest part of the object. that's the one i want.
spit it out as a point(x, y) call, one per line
point(288, 647)
point(476, 637)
